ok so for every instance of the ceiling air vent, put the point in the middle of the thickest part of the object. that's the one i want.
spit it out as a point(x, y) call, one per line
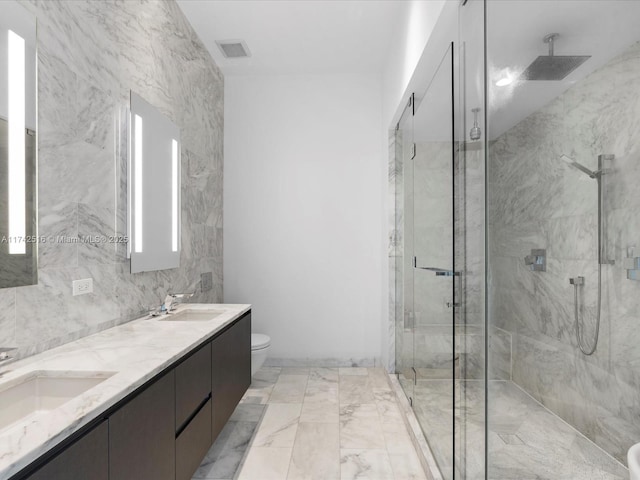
point(233, 48)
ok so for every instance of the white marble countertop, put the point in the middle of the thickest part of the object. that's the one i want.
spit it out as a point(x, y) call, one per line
point(134, 352)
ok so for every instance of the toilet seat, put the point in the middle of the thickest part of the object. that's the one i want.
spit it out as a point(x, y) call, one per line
point(259, 341)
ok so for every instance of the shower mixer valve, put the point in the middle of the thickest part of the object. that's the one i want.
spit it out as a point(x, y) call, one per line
point(632, 265)
point(537, 261)
point(576, 281)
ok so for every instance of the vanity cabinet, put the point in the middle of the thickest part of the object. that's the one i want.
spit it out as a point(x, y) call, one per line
point(85, 458)
point(193, 412)
point(163, 430)
point(231, 371)
point(142, 434)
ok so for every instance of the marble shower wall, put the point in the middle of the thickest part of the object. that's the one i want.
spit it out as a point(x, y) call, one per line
point(90, 55)
point(537, 201)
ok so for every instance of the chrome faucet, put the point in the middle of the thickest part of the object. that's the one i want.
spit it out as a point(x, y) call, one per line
point(6, 357)
point(172, 300)
point(4, 353)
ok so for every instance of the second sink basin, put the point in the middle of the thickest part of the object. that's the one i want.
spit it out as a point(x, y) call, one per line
point(42, 391)
point(191, 315)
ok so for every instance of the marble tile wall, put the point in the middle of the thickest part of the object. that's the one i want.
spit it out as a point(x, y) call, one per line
point(537, 201)
point(91, 54)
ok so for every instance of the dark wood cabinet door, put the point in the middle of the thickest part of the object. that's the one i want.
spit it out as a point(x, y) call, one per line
point(193, 384)
point(87, 458)
point(142, 434)
point(231, 371)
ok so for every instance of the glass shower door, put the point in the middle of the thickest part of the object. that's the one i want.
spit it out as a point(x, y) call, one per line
point(404, 245)
point(436, 283)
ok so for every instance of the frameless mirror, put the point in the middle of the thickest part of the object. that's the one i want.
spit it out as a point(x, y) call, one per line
point(153, 189)
point(18, 180)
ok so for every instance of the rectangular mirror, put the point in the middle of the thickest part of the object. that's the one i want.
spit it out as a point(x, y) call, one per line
point(18, 147)
point(153, 189)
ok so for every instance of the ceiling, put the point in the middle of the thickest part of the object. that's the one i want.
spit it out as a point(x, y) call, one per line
point(602, 29)
point(353, 36)
point(297, 36)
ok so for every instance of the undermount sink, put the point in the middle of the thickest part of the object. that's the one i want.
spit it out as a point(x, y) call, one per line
point(191, 315)
point(42, 391)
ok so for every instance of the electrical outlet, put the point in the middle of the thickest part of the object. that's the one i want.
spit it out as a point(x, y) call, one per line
point(80, 287)
point(206, 281)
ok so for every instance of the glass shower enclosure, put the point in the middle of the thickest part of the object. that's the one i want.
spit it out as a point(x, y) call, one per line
point(517, 235)
point(439, 195)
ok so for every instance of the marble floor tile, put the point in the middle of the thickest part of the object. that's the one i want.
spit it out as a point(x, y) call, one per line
point(327, 412)
point(406, 466)
point(321, 391)
point(289, 389)
point(360, 427)
point(254, 399)
point(388, 408)
point(267, 374)
point(355, 389)
point(266, 463)
point(260, 397)
point(316, 452)
point(262, 385)
point(247, 412)
point(365, 465)
point(379, 379)
point(353, 371)
point(294, 371)
point(224, 457)
point(323, 437)
point(397, 439)
point(279, 425)
point(324, 374)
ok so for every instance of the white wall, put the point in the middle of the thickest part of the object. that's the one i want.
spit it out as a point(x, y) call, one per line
point(411, 36)
point(303, 169)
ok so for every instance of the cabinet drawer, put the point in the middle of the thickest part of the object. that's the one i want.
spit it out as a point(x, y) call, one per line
point(193, 384)
point(193, 443)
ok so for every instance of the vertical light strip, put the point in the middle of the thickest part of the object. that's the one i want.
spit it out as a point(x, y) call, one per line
point(138, 184)
point(174, 196)
point(16, 167)
point(129, 184)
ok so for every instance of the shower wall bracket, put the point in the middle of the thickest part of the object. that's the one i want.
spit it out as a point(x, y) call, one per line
point(537, 261)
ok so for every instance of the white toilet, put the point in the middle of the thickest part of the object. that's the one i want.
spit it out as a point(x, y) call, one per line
point(259, 349)
point(633, 461)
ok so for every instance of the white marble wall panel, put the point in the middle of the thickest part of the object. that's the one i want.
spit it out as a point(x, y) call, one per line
point(90, 55)
point(537, 201)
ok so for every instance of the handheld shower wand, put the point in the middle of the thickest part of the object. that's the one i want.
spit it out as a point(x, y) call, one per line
point(602, 256)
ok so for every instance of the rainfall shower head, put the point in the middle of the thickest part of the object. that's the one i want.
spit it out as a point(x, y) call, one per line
point(553, 67)
point(571, 162)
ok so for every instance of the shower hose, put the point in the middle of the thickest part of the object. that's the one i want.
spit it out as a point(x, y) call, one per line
point(587, 350)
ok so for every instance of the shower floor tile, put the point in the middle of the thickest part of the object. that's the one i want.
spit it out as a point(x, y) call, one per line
point(526, 441)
